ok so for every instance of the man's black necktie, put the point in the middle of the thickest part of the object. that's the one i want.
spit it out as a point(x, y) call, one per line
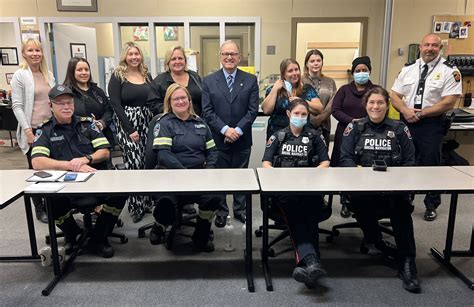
point(421, 87)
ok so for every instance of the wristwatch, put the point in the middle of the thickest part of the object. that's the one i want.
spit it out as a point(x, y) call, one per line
point(419, 114)
point(89, 157)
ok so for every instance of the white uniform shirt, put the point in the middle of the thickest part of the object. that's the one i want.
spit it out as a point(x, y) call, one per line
point(440, 82)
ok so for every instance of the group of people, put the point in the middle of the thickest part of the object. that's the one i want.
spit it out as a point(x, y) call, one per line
point(207, 124)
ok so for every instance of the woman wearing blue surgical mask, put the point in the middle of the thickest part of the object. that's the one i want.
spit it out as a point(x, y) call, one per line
point(288, 88)
point(298, 145)
point(347, 105)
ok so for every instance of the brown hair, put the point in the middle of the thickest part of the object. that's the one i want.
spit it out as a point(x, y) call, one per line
point(283, 66)
point(169, 54)
point(306, 59)
point(121, 69)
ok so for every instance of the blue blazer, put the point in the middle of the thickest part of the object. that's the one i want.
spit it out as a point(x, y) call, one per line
point(236, 109)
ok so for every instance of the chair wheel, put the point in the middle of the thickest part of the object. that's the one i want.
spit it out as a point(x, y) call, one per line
point(141, 233)
point(271, 252)
point(123, 240)
point(258, 233)
point(329, 239)
point(364, 249)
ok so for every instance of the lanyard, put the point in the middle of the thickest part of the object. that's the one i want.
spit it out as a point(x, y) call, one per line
point(429, 72)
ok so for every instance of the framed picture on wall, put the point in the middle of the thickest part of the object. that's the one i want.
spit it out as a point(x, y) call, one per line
point(77, 5)
point(78, 50)
point(170, 33)
point(438, 26)
point(463, 32)
point(9, 55)
point(9, 77)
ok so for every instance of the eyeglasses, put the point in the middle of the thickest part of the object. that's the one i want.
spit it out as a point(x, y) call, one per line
point(62, 104)
point(231, 54)
point(181, 98)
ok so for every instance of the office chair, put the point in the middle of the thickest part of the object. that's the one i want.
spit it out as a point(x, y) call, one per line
point(151, 162)
point(279, 224)
point(384, 226)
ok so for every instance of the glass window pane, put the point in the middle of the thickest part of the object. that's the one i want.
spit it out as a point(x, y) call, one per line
point(167, 36)
point(137, 33)
point(244, 36)
point(205, 41)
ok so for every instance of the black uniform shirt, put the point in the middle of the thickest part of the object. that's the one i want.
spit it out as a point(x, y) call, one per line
point(298, 147)
point(184, 144)
point(352, 135)
point(65, 142)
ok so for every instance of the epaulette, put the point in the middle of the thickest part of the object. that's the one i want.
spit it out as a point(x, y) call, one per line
point(44, 122)
point(392, 123)
point(163, 115)
point(86, 119)
point(409, 64)
point(449, 64)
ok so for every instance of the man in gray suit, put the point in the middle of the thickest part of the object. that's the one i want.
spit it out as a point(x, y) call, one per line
point(230, 106)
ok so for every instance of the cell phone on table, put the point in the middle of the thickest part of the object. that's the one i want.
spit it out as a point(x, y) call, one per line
point(70, 177)
point(42, 174)
point(379, 165)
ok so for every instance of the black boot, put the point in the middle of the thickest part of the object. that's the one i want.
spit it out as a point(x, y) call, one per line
point(157, 234)
point(201, 242)
point(98, 243)
point(407, 274)
point(387, 248)
point(309, 270)
point(40, 210)
point(345, 213)
point(71, 231)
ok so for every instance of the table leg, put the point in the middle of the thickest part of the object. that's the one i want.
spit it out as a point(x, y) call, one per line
point(445, 257)
point(54, 249)
point(264, 251)
point(248, 244)
point(31, 227)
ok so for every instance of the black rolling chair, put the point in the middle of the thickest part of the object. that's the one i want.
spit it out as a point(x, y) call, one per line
point(384, 226)
point(279, 224)
point(151, 162)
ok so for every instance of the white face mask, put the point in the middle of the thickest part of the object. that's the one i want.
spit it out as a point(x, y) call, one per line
point(361, 77)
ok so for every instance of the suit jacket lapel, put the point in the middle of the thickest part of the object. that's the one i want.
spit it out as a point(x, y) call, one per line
point(238, 84)
point(222, 85)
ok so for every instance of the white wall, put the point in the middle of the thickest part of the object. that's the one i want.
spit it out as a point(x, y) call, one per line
point(66, 34)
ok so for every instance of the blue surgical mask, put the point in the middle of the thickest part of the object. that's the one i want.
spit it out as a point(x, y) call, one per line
point(298, 122)
point(361, 77)
point(288, 87)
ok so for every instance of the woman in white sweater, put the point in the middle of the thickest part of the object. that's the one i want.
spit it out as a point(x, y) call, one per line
point(30, 86)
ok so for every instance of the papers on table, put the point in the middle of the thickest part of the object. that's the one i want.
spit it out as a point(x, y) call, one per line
point(44, 187)
point(58, 176)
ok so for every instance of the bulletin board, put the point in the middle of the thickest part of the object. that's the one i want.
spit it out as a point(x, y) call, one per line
point(457, 45)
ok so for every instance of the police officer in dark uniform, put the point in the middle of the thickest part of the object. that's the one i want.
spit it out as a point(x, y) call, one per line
point(70, 143)
point(183, 141)
point(300, 146)
point(377, 137)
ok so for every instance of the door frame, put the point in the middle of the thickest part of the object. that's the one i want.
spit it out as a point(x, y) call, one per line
point(364, 29)
point(203, 37)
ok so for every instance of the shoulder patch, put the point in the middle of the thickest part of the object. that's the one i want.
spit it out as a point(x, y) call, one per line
point(348, 129)
point(457, 75)
point(407, 132)
point(156, 130)
point(38, 134)
point(270, 141)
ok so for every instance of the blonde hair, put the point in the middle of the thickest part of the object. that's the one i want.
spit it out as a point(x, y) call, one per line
point(170, 91)
point(121, 69)
point(43, 67)
point(169, 54)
